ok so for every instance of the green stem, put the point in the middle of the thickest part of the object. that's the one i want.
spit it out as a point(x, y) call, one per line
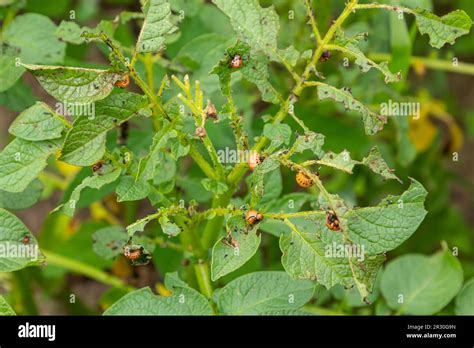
point(293, 215)
point(204, 278)
point(314, 24)
point(431, 63)
point(383, 6)
point(201, 162)
point(213, 227)
point(84, 269)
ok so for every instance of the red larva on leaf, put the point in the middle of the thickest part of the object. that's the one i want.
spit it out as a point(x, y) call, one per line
point(236, 62)
point(253, 217)
point(97, 166)
point(123, 82)
point(26, 239)
point(304, 180)
point(254, 159)
point(131, 254)
point(332, 221)
point(325, 56)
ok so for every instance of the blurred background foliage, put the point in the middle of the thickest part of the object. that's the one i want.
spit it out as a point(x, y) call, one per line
point(436, 149)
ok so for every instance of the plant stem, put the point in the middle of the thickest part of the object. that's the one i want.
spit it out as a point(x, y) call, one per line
point(431, 63)
point(84, 269)
point(200, 161)
point(293, 215)
point(383, 6)
point(314, 24)
point(204, 278)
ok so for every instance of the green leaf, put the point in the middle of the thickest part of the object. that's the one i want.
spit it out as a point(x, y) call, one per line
point(128, 189)
point(256, 72)
point(74, 85)
point(373, 123)
point(384, 227)
point(17, 98)
point(5, 308)
point(39, 122)
point(442, 30)
point(290, 203)
point(138, 226)
point(18, 246)
point(184, 301)
point(350, 45)
point(214, 186)
point(169, 227)
point(34, 35)
point(225, 258)
point(278, 134)
point(24, 199)
point(464, 304)
point(156, 27)
point(108, 242)
point(309, 141)
point(148, 164)
point(257, 188)
point(21, 161)
point(256, 26)
point(9, 71)
point(254, 69)
point(341, 161)
point(377, 164)
point(85, 142)
point(420, 285)
point(261, 292)
point(289, 55)
point(309, 254)
point(69, 31)
point(95, 182)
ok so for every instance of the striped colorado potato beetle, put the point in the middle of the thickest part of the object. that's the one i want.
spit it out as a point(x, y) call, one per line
point(236, 62)
point(124, 82)
point(131, 253)
point(304, 180)
point(332, 221)
point(253, 217)
point(254, 159)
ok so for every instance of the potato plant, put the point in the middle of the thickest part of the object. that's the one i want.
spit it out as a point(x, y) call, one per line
point(160, 147)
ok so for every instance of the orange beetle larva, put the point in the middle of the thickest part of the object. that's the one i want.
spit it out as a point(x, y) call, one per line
point(304, 180)
point(253, 217)
point(123, 83)
point(254, 160)
point(236, 62)
point(332, 221)
point(97, 166)
point(131, 254)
